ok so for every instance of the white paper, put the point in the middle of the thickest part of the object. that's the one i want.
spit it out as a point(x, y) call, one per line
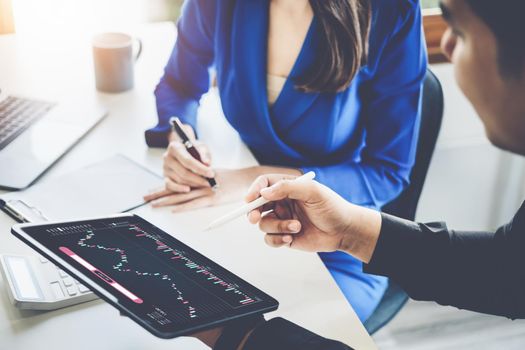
point(111, 186)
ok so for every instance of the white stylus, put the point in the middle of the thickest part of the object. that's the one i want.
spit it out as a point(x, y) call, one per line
point(259, 202)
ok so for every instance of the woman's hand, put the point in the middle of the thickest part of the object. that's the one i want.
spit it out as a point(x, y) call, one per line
point(183, 172)
point(308, 216)
point(232, 185)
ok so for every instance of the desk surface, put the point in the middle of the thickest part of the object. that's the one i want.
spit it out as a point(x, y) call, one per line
point(53, 68)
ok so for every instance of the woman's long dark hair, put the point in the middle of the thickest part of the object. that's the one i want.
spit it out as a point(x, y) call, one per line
point(345, 28)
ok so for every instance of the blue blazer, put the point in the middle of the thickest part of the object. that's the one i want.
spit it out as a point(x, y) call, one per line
point(361, 142)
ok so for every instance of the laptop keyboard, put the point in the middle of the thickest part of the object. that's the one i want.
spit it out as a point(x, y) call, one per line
point(17, 114)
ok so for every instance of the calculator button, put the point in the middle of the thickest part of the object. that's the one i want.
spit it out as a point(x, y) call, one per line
point(71, 290)
point(43, 260)
point(62, 273)
point(83, 288)
point(57, 290)
point(68, 281)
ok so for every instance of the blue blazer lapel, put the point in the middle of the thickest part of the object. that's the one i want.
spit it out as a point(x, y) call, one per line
point(249, 53)
point(291, 104)
point(249, 43)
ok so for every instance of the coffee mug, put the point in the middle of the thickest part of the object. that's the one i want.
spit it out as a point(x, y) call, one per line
point(114, 61)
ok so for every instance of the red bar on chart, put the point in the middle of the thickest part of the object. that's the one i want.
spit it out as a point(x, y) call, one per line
point(101, 275)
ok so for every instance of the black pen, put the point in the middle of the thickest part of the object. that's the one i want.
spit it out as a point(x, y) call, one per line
point(179, 130)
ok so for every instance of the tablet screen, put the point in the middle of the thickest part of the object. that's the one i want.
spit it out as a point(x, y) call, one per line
point(169, 288)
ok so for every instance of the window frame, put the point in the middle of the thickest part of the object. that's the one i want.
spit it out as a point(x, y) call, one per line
point(434, 27)
point(7, 25)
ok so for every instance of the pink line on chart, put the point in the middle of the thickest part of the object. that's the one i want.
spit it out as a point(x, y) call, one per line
point(101, 275)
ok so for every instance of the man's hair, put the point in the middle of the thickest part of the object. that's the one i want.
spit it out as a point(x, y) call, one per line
point(505, 19)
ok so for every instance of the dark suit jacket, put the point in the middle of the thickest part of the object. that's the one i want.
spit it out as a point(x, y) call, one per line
point(478, 271)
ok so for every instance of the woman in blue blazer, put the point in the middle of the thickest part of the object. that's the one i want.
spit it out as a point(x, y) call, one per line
point(332, 86)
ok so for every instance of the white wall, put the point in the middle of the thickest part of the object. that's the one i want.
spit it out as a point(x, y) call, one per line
point(471, 184)
point(54, 17)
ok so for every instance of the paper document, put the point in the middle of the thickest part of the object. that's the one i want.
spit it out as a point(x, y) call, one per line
point(114, 185)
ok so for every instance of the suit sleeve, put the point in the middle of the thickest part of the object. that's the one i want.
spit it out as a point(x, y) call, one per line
point(186, 76)
point(477, 271)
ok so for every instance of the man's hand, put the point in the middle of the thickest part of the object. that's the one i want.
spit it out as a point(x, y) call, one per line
point(308, 216)
point(209, 337)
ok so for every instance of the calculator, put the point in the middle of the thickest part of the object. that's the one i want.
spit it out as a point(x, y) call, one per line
point(35, 283)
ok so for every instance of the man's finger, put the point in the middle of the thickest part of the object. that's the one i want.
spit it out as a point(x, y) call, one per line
point(277, 241)
point(264, 181)
point(270, 223)
point(301, 190)
point(282, 210)
point(255, 215)
point(254, 191)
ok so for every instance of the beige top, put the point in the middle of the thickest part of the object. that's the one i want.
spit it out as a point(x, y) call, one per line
point(274, 86)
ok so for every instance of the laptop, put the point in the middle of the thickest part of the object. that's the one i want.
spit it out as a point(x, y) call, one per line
point(34, 134)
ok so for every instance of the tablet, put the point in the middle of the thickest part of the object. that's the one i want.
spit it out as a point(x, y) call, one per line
point(159, 282)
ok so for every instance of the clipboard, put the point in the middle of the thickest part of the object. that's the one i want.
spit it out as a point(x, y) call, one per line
point(114, 185)
point(21, 211)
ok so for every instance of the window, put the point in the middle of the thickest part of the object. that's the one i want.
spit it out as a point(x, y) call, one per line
point(94, 15)
point(6, 17)
point(427, 4)
point(434, 27)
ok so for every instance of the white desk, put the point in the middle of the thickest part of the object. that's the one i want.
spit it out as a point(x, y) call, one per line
point(304, 288)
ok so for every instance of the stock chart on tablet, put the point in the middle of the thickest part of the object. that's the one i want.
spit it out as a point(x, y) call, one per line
point(160, 278)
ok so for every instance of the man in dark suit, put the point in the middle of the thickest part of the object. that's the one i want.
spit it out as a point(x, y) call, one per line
point(479, 271)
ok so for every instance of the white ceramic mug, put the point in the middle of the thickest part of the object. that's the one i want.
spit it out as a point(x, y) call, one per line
point(114, 61)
